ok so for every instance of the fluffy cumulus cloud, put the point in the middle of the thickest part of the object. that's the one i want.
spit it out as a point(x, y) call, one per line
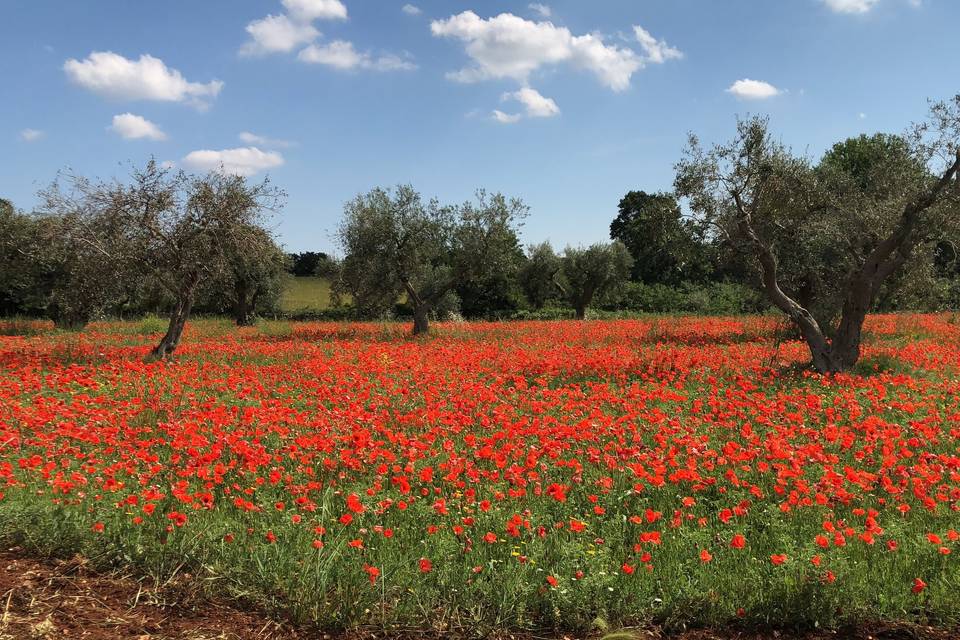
point(277, 34)
point(542, 10)
point(263, 141)
point(535, 106)
point(341, 54)
point(292, 30)
point(148, 78)
point(133, 127)
point(411, 10)
point(242, 161)
point(284, 32)
point(851, 6)
point(510, 47)
point(31, 135)
point(507, 46)
point(506, 118)
point(747, 89)
point(655, 51)
point(308, 10)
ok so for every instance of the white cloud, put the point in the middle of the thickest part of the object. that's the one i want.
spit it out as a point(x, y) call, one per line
point(506, 118)
point(168, 164)
point(411, 10)
point(263, 141)
point(242, 161)
point(536, 105)
point(862, 115)
point(541, 9)
point(851, 6)
point(148, 78)
point(133, 127)
point(507, 46)
point(341, 54)
point(287, 31)
point(275, 34)
point(31, 135)
point(656, 51)
point(284, 32)
point(309, 10)
point(753, 89)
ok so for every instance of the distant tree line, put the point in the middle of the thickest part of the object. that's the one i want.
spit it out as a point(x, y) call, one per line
point(871, 225)
point(312, 263)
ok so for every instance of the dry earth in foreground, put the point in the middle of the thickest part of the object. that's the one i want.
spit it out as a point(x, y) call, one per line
point(52, 599)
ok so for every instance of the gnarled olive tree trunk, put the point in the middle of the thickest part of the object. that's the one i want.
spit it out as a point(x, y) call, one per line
point(421, 309)
point(842, 350)
point(245, 303)
point(421, 320)
point(178, 320)
point(171, 339)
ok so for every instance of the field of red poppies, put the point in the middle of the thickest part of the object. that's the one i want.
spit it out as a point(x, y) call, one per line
point(534, 475)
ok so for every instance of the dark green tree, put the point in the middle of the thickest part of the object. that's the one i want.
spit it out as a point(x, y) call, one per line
point(666, 249)
point(312, 263)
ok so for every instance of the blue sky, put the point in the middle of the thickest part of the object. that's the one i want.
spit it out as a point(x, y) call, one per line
point(566, 104)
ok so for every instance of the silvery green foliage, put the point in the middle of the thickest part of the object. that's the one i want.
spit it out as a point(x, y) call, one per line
point(395, 245)
point(590, 273)
point(829, 237)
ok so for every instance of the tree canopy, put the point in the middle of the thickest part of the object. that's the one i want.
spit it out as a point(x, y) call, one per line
point(828, 237)
point(666, 248)
point(396, 244)
point(590, 273)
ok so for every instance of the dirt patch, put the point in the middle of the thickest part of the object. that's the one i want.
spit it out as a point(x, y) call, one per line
point(47, 600)
point(54, 599)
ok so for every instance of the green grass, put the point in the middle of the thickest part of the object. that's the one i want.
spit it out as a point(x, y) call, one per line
point(305, 294)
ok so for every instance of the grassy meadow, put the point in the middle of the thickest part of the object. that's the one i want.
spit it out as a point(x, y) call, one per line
point(305, 294)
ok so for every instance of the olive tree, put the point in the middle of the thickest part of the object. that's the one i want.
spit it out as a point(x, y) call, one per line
point(181, 231)
point(68, 250)
point(396, 244)
point(538, 273)
point(852, 221)
point(586, 274)
point(254, 273)
point(18, 282)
